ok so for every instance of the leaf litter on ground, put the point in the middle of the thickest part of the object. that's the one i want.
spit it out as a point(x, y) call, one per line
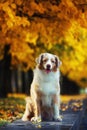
point(11, 109)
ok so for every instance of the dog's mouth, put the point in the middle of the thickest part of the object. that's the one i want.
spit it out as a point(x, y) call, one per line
point(47, 70)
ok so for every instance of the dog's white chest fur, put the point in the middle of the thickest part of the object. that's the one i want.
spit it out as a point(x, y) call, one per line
point(47, 84)
point(47, 88)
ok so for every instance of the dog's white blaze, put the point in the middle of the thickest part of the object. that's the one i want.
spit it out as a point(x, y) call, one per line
point(49, 61)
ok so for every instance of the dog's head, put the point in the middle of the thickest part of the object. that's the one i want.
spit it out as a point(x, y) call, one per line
point(48, 62)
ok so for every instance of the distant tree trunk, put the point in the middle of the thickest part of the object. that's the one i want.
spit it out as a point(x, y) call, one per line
point(68, 86)
point(21, 81)
point(3, 92)
point(12, 81)
point(5, 73)
point(27, 80)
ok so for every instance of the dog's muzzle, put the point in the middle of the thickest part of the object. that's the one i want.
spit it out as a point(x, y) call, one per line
point(48, 68)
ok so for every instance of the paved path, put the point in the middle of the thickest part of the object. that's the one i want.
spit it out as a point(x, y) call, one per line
point(71, 121)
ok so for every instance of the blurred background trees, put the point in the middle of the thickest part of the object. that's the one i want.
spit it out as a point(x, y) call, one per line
point(30, 27)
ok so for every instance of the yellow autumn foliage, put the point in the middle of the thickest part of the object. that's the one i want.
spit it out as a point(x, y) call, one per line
point(31, 27)
point(75, 62)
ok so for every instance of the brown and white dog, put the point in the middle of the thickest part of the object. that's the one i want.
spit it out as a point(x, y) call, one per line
point(44, 100)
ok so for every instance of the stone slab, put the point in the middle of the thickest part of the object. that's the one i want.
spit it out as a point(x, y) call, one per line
point(69, 120)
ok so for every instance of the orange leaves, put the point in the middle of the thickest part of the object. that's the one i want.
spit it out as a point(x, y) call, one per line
point(37, 7)
point(67, 10)
point(22, 54)
point(21, 48)
point(32, 7)
point(19, 2)
point(10, 16)
point(34, 26)
point(32, 38)
point(45, 21)
point(21, 21)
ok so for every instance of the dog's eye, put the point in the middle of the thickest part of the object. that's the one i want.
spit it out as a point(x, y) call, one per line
point(53, 61)
point(45, 60)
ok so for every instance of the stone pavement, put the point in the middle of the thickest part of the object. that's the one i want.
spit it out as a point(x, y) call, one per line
point(83, 123)
point(69, 120)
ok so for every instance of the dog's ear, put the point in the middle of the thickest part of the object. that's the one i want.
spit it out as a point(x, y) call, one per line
point(39, 59)
point(58, 62)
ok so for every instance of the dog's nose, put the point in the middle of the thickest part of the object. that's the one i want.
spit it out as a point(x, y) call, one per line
point(48, 66)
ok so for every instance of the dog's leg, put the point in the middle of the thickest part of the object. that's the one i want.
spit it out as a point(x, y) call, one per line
point(37, 111)
point(56, 107)
point(26, 113)
point(28, 109)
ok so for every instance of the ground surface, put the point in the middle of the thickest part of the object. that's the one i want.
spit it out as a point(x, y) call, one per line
point(12, 109)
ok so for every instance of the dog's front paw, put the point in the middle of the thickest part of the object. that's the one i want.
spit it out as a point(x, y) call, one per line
point(25, 118)
point(58, 118)
point(36, 119)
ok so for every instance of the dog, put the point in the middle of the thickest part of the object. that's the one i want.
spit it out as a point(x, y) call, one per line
point(44, 100)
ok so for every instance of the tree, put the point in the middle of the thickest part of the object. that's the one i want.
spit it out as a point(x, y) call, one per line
point(30, 27)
